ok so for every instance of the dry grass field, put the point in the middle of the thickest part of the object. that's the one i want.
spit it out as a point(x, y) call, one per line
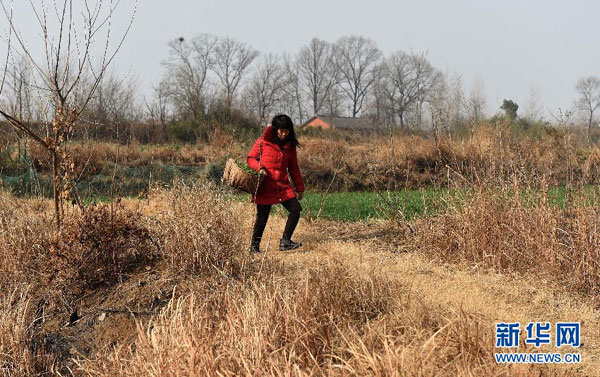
point(490, 154)
point(165, 287)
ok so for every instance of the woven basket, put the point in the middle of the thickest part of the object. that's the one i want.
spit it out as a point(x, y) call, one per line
point(240, 179)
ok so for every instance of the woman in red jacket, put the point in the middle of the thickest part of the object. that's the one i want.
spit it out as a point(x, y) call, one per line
point(274, 155)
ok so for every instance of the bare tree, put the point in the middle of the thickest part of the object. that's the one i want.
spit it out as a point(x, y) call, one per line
point(447, 103)
point(232, 59)
point(158, 107)
point(439, 100)
point(335, 102)
point(379, 106)
point(424, 103)
point(70, 30)
point(18, 90)
point(588, 89)
point(476, 100)
point(112, 106)
point(266, 87)
point(533, 109)
point(187, 76)
point(293, 101)
point(356, 58)
point(317, 72)
point(426, 78)
point(18, 97)
point(408, 78)
point(457, 100)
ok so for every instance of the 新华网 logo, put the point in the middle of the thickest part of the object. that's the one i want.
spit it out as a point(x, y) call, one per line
point(508, 336)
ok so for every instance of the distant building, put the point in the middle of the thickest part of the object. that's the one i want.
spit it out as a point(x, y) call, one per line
point(340, 123)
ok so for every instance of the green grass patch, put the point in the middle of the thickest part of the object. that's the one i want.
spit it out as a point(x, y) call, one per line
point(565, 196)
point(555, 197)
point(413, 204)
point(358, 206)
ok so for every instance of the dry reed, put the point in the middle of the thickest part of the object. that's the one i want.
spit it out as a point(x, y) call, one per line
point(500, 229)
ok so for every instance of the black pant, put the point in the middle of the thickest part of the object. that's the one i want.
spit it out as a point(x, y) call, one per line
point(262, 215)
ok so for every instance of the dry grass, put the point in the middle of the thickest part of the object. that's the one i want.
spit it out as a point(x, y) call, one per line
point(20, 353)
point(15, 359)
point(91, 158)
point(26, 234)
point(277, 324)
point(343, 309)
point(198, 231)
point(329, 322)
point(498, 229)
point(491, 153)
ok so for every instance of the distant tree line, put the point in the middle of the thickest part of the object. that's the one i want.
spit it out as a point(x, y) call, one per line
point(350, 77)
point(211, 81)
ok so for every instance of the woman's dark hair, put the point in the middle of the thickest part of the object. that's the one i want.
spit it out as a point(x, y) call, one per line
point(283, 121)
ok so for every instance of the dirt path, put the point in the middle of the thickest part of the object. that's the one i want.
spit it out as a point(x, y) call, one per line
point(490, 296)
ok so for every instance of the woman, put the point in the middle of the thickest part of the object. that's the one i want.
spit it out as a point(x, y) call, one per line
point(274, 155)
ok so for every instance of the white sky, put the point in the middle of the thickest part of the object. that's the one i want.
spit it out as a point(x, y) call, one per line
point(512, 45)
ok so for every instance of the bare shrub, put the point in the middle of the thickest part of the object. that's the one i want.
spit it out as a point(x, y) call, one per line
point(99, 244)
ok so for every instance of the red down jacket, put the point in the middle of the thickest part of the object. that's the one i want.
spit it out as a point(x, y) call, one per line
point(275, 187)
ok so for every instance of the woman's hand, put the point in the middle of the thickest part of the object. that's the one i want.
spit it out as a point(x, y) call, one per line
point(263, 171)
point(300, 195)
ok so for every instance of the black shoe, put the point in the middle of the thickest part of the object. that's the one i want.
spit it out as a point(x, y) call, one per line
point(254, 249)
point(287, 244)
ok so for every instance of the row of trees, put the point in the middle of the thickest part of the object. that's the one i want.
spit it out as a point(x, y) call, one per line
point(350, 77)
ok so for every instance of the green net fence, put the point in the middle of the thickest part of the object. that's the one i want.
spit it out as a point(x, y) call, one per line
point(21, 178)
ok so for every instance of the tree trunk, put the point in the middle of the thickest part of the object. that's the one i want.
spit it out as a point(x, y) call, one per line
point(590, 127)
point(56, 185)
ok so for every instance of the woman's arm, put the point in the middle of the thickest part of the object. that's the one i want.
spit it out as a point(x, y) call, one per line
point(294, 170)
point(254, 155)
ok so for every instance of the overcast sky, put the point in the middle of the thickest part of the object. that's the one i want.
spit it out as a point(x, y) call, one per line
point(513, 46)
